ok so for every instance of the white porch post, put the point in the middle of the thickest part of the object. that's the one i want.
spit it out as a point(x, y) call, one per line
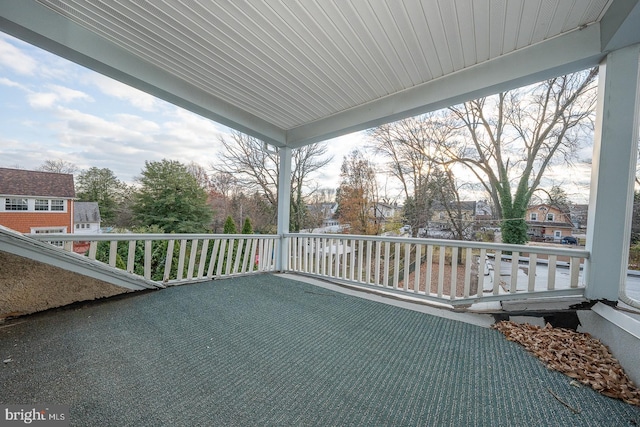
point(284, 206)
point(613, 170)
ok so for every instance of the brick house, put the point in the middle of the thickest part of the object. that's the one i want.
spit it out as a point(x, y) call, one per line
point(36, 202)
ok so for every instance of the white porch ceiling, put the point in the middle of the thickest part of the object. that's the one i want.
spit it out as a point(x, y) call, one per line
point(293, 72)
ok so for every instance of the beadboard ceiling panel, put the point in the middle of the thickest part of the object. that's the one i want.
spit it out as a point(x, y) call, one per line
point(294, 72)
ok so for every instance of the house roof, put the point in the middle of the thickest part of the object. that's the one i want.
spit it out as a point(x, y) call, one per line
point(296, 72)
point(465, 205)
point(86, 212)
point(20, 182)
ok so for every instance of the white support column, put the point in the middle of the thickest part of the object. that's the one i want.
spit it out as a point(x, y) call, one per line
point(613, 170)
point(284, 205)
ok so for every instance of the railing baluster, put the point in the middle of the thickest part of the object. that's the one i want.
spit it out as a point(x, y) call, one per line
point(203, 258)
point(515, 260)
point(221, 257)
point(192, 258)
point(296, 247)
point(376, 276)
point(387, 259)
point(496, 272)
point(417, 272)
point(453, 288)
point(367, 276)
point(352, 264)
point(396, 265)
point(168, 260)
point(345, 257)
point(360, 259)
point(317, 252)
point(467, 272)
point(482, 260)
point(238, 253)
point(230, 255)
point(574, 272)
point(407, 263)
point(429, 267)
point(308, 254)
point(213, 259)
point(131, 256)
point(93, 247)
point(147, 259)
point(181, 258)
point(113, 252)
point(442, 250)
point(551, 279)
point(531, 272)
point(323, 254)
point(271, 247)
point(252, 257)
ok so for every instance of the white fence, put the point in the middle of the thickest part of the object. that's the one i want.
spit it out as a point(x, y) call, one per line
point(176, 258)
point(454, 272)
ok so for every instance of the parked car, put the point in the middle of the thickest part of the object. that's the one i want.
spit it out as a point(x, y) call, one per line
point(569, 240)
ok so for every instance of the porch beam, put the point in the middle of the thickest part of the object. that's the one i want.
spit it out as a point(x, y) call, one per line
point(284, 206)
point(615, 153)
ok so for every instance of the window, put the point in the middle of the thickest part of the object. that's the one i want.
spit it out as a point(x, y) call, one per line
point(42, 205)
point(77, 226)
point(16, 205)
point(533, 216)
point(550, 217)
point(51, 230)
point(57, 205)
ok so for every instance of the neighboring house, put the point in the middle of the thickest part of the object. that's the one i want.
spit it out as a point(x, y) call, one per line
point(324, 213)
point(579, 217)
point(36, 202)
point(465, 213)
point(547, 222)
point(384, 212)
point(86, 218)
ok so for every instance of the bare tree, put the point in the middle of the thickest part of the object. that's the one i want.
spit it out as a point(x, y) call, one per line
point(256, 168)
point(58, 166)
point(200, 174)
point(412, 148)
point(510, 140)
point(357, 195)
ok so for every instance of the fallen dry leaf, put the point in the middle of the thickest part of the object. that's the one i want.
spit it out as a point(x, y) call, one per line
point(577, 355)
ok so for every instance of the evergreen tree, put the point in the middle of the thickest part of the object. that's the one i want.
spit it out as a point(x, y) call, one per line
point(171, 198)
point(247, 228)
point(230, 226)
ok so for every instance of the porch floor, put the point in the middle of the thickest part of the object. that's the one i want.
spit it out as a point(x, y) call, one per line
point(267, 350)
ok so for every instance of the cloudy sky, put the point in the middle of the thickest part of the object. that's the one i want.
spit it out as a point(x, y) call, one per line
point(53, 109)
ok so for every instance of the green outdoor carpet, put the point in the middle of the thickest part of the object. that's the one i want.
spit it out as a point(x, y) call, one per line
point(263, 350)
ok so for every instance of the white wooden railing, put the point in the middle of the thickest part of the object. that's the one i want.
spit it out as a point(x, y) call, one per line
point(175, 258)
point(427, 268)
point(448, 271)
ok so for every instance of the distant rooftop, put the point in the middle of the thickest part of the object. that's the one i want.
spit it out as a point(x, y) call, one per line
point(86, 212)
point(20, 182)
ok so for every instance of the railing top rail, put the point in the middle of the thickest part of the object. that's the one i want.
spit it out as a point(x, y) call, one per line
point(454, 243)
point(143, 236)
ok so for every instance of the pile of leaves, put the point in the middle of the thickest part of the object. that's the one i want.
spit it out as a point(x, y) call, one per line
point(578, 355)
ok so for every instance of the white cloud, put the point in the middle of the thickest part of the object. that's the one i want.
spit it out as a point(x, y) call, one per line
point(135, 97)
point(10, 83)
point(42, 100)
point(56, 95)
point(14, 59)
